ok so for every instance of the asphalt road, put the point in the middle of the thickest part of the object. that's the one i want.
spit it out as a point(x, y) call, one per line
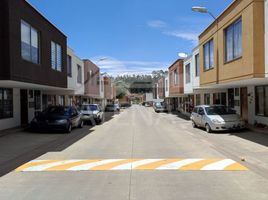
point(139, 133)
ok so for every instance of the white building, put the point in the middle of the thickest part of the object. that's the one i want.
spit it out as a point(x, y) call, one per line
point(75, 72)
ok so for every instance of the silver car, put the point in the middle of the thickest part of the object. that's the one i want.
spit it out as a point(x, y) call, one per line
point(216, 118)
point(92, 113)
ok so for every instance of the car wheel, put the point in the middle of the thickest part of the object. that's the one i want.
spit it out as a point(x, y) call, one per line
point(193, 124)
point(69, 128)
point(81, 124)
point(208, 129)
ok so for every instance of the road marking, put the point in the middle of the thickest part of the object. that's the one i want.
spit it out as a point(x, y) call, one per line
point(131, 164)
point(220, 165)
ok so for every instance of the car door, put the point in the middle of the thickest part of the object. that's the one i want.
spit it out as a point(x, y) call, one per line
point(75, 117)
point(100, 112)
point(201, 117)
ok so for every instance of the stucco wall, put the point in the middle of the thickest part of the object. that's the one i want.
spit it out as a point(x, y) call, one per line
point(72, 81)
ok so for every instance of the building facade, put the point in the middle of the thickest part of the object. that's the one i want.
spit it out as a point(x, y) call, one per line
point(33, 63)
point(232, 58)
point(92, 81)
point(161, 87)
point(176, 84)
point(75, 73)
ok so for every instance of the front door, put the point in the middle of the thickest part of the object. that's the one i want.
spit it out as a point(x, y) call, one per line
point(24, 107)
point(244, 103)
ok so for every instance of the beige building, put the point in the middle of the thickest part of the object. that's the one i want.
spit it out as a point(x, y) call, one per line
point(232, 58)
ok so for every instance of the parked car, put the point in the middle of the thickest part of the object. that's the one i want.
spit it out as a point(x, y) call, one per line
point(92, 113)
point(159, 107)
point(111, 108)
point(216, 118)
point(58, 118)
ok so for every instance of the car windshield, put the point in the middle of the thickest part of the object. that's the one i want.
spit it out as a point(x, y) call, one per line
point(158, 104)
point(57, 110)
point(89, 107)
point(219, 110)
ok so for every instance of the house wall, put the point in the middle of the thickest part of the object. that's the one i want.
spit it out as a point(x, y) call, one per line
point(107, 88)
point(176, 90)
point(19, 69)
point(188, 87)
point(251, 64)
point(15, 120)
point(196, 78)
point(91, 76)
point(266, 37)
point(78, 88)
point(161, 88)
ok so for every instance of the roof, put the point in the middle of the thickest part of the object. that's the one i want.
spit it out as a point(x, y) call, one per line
point(178, 60)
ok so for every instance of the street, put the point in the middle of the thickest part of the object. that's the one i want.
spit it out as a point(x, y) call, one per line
point(164, 144)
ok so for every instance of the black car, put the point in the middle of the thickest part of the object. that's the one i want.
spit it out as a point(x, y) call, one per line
point(111, 108)
point(58, 118)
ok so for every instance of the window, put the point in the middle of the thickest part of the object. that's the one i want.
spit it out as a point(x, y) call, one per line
point(209, 55)
point(197, 65)
point(29, 43)
point(176, 77)
point(207, 99)
point(261, 100)
point(79, 74)
point(219, 98)
point(6, 103)
point(166, 85)
point(56, 57)
point(69, 66)
point(188, 73)
point(37, 100)
point(233, 41)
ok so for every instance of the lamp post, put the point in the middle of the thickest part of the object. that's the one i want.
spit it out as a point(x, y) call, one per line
point(205, 10)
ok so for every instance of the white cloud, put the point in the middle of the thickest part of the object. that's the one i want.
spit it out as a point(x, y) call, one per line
point(189, 36)
point(156, 24)
point(116, 67)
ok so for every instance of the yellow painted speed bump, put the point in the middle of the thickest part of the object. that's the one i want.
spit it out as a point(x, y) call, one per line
point(132, 164)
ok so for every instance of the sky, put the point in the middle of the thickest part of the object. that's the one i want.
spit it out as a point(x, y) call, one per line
point(134, 36)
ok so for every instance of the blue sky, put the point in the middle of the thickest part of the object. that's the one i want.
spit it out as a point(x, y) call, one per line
point(137, 36)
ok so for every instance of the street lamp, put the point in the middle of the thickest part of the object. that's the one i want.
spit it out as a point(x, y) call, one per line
point(205, 10)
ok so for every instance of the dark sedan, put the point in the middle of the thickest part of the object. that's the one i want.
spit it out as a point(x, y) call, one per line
point(58, 118)
point(111, 108)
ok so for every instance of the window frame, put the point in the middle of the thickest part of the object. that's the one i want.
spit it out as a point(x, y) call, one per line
point(57, 67)
point(197, 67)
point(69, 66)
point(210, 64)
point(188, 73)
point(79, 74)
point(23, 22)
point(232, 25)
point(2, 104)
point(265, 104)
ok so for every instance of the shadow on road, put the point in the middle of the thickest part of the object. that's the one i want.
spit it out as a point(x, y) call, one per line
point(259, 138)
point(180, 115)
point(21, 146)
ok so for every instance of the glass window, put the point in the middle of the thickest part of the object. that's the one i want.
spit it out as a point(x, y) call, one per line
point(69, 66)
point(233, 41)
point(188, 73)
point(166, 85)
point(29, 43)
point(260, 101)
point(79, 74)
point(6, 103)
point(176, 77)
point(56, 56)
point(209, 55)
point(197, 65)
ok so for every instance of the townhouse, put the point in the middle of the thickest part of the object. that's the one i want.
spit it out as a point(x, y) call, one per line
point(92, 82)
point(176, 86)
point(75, 73)
point(232, 59)
point(32, 63)
point(108, 90)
